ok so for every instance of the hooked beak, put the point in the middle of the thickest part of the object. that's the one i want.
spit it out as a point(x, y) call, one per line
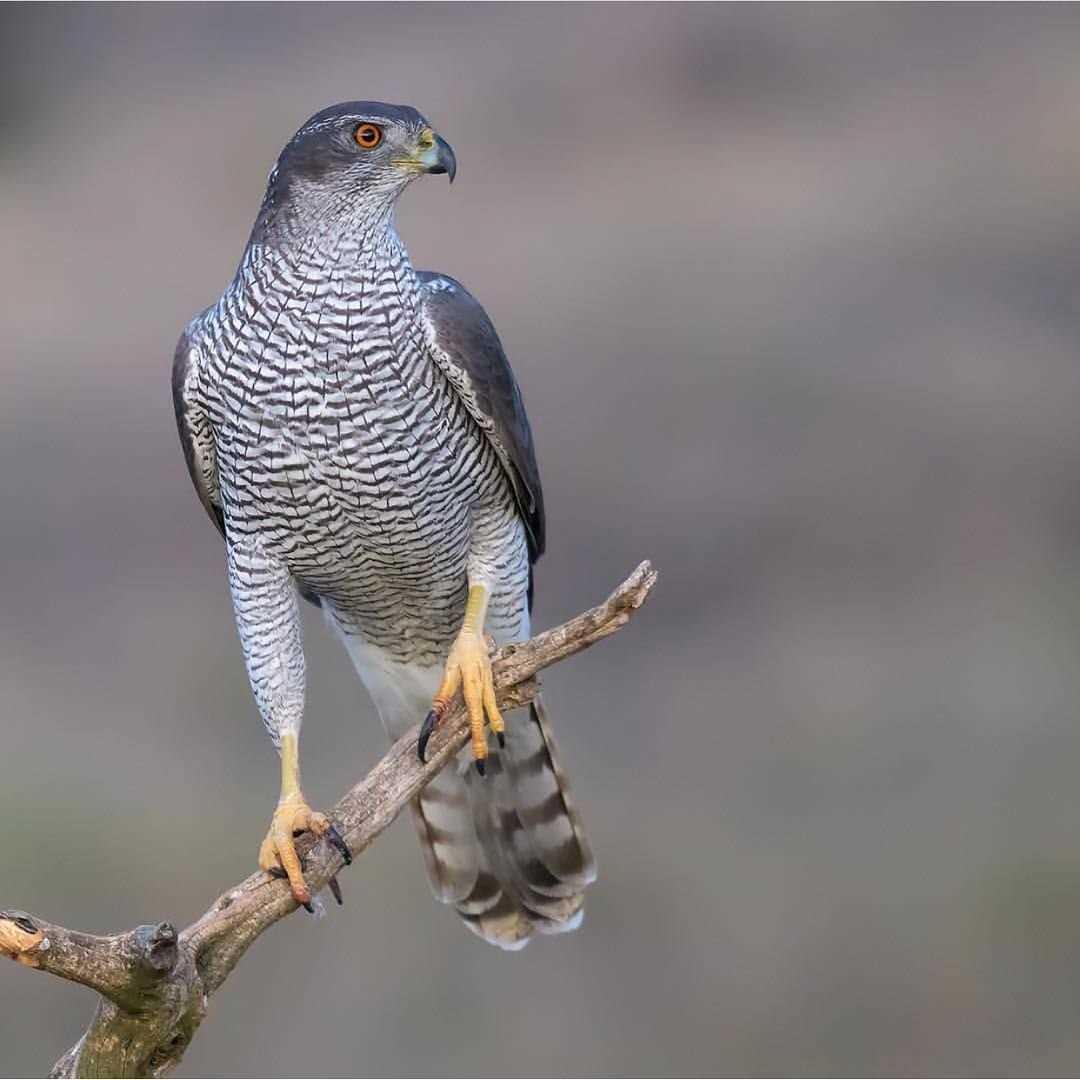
point(435, 155)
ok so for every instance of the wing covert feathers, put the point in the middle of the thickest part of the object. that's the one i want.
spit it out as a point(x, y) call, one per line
point(468, 350)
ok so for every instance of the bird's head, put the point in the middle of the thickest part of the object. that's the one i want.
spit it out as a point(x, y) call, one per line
point(353, 160)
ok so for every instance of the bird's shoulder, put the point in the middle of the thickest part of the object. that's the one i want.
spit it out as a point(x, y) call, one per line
point(188, 369)
point(192, 423)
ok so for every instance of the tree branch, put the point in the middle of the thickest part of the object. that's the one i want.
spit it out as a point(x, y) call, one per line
point(154, 984)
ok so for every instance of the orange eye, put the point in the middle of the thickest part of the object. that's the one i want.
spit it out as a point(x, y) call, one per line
point(368, 136)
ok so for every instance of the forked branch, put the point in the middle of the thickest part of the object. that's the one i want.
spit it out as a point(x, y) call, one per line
point(154, 984)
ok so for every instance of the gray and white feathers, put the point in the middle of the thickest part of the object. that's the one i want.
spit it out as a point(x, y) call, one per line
point(355, 431)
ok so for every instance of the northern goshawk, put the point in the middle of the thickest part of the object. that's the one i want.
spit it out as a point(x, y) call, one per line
point(354, 429)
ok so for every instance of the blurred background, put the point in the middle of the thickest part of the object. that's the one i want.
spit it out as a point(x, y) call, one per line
point(792, 296)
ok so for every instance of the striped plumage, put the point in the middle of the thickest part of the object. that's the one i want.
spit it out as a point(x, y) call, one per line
point(354, 429)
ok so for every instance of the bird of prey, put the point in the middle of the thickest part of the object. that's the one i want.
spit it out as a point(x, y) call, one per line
point(354, 430)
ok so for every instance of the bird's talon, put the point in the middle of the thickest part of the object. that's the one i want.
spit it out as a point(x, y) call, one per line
point(307, 906)
point(480, 767)
point(502, 739)
point(427, 729)
point(337, 842)
point(335, 890)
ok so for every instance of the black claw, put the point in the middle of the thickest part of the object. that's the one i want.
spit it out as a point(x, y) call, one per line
point(277, 872)
point(335, 840)
point(479, 763)
point(502, 739)
point(335, 888)
point(308, 908)
point(426, 730)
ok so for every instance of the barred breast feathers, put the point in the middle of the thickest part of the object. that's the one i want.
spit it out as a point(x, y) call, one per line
point(347, 447)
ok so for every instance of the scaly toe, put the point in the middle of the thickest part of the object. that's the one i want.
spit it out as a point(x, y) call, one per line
point(468, 668)
point(278, 855)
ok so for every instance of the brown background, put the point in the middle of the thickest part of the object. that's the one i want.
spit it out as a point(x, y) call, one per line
point(792, 295)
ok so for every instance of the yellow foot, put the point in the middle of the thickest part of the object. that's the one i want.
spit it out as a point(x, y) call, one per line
point(277, 854)
point(468, 668)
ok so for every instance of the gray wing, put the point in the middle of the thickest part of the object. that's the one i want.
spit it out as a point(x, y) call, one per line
point(472, 357)
point(196, 436)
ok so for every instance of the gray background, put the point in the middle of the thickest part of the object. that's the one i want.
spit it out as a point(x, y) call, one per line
point(792, 296)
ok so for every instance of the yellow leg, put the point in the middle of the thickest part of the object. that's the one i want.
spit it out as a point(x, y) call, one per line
point(468, 668)
point(292, 817)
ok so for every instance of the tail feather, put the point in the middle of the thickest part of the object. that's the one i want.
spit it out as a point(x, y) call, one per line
point(507, 849)
point(504, 924)
point(506, 845)
point(544, 806)
point(443, 819)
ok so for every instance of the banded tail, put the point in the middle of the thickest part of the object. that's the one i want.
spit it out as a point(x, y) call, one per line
point(507, 849)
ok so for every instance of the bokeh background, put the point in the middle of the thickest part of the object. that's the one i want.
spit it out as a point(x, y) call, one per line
point(792, 293)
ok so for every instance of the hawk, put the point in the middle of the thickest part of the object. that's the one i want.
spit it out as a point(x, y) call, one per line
point(354, 430)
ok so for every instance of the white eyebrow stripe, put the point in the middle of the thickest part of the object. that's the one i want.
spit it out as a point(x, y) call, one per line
point(352, 118)
point(310, 128)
